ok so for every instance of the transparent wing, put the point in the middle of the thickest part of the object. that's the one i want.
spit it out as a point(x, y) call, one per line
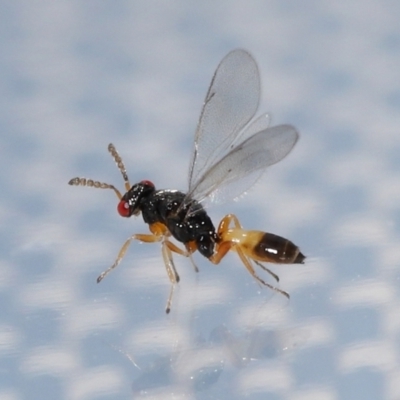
point(237, 188)
point(241, 167)
point(261, 123)
point(231, 102)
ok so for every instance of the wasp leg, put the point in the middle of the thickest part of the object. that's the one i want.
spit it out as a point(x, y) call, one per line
point(196, 269)
point(275, 276)
point(224, 246)
point(188, 253)
point(142, 237)
point(173, 247)
point(250, 268)
point(226, 221)
point(221, 251)
point(191, 247)
point(169, 301)
point(167, 248)
point(237, 239)
point(161, 230)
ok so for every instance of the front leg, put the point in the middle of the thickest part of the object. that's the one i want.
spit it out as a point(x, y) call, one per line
point(142, 237)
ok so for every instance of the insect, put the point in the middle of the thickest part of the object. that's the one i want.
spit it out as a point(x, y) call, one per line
point(231, 151)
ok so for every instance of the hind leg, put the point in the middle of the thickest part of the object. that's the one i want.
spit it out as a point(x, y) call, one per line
point(247, 263)
point(244, 242)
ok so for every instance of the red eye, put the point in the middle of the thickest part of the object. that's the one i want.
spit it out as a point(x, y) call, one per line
point(147, 183)
point(123, 208)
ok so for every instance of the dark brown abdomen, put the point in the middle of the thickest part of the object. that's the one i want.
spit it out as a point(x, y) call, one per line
point(273, 248)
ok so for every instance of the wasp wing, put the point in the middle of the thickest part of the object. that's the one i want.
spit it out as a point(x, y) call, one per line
point(238, 187)
point(241, 167)
point(261, 123)
point(231, 102)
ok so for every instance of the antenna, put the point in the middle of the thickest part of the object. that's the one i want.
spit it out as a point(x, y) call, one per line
point(102, 185)
point(120, 164)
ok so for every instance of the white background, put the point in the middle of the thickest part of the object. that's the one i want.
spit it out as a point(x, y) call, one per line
point(77, 75)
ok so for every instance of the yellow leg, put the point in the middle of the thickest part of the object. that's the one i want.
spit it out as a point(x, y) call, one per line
point(169, 262)
point(173, 247)
point(146, 238)
point(226, 221)
point(167, 248)
point(224, 247)
point(250, 268)
point(221, 251)
point(186, 253)
point(142, 237)
point(169, 301)
point(191, 247)
point(275, 276)
point(224, 226)
point(171, 271)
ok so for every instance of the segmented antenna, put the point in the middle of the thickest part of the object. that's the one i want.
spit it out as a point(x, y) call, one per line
point(96, 184)
point(102, 185)
point(120, 164)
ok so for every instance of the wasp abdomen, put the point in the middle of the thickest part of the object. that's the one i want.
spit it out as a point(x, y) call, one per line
point(273, 248)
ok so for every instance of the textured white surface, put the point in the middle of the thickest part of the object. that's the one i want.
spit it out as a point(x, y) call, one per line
point(75, 76)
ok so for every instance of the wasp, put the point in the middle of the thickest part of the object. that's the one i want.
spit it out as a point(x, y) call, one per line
point(231, 151)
